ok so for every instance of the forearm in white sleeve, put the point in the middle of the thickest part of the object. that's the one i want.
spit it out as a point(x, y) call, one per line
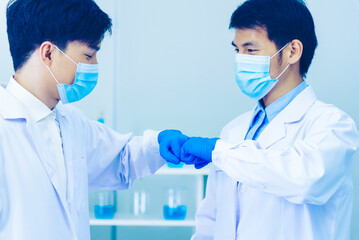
point(310, 171)
point(117, 160)
point(141, 157)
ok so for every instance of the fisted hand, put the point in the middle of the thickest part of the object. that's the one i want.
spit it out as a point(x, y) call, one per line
point(176, 147)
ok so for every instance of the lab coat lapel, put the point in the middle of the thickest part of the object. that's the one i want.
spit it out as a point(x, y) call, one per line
point(45, 158)
point(274, 132)
point(276, 129)
point(14, 110)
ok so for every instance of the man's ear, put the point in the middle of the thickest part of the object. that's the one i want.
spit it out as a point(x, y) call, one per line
point(46, 51)
point(295, 51)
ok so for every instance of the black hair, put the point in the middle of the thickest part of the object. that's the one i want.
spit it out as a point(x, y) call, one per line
point(284, 21)
point(32, 22)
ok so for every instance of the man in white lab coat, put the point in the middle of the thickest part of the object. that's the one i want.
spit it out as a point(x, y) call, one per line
point(50, 153)
point(282, 171)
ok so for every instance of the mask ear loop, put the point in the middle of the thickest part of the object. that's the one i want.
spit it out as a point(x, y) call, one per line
point(276, 52)
point(283, 72)
point(276, 55)
point(52, 74)
point(65, 55)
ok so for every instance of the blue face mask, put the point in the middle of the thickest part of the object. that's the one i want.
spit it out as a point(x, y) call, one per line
point(85, 81)
point(252, 74)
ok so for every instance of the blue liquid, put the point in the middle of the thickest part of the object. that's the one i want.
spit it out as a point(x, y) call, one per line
point(172, 165)
point(177, 213)
point(104, 212)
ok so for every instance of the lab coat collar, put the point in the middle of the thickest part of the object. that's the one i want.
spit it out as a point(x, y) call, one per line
point(10, 107)
point(300, 105)
point(278, 105)
point(44, 155)
point(36, 109)
point(295, 110)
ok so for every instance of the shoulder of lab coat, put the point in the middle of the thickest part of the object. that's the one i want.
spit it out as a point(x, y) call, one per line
point(304, 169)
point(114, 160)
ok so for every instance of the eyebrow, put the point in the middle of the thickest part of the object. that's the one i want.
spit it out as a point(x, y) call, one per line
point(247, 44)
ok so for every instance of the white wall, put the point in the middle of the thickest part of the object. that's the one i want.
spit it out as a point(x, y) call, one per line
point(176, 66)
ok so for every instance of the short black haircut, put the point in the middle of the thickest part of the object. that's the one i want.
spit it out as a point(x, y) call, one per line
point(284, 21)
point(32, 22)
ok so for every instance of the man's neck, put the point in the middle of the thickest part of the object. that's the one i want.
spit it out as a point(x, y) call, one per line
point(33, 83)
point(281, 89)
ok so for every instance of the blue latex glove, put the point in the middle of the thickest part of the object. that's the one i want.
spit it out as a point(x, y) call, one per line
point(171, 142)
point(198, 151)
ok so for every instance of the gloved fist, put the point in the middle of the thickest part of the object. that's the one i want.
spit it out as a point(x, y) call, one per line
point(198, 151)
point(171, 142)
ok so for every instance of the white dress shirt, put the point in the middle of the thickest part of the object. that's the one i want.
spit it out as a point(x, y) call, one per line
point(49, 127)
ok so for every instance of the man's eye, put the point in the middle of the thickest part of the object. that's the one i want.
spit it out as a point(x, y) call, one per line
point(251, 50)
point(88, 56)
point(236, 50)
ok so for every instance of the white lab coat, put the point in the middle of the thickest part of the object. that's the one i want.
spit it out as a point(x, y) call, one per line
point(295, 181)
point(31, 205)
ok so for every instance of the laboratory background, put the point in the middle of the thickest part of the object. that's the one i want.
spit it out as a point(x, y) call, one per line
point(170, 64)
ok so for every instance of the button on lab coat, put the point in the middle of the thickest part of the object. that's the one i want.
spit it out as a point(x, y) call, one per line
point(31, 203)
point(295, 181)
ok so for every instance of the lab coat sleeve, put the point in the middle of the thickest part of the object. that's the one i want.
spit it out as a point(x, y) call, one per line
point(310, 171)
point(115, 160)
point(206, 214)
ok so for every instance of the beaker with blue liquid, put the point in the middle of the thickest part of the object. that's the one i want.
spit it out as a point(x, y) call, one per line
point(172, 165)
point(174, 209)
point(105, 205)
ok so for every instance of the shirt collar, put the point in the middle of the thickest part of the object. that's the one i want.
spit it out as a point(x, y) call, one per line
point(36, 109)
point(278, 105)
